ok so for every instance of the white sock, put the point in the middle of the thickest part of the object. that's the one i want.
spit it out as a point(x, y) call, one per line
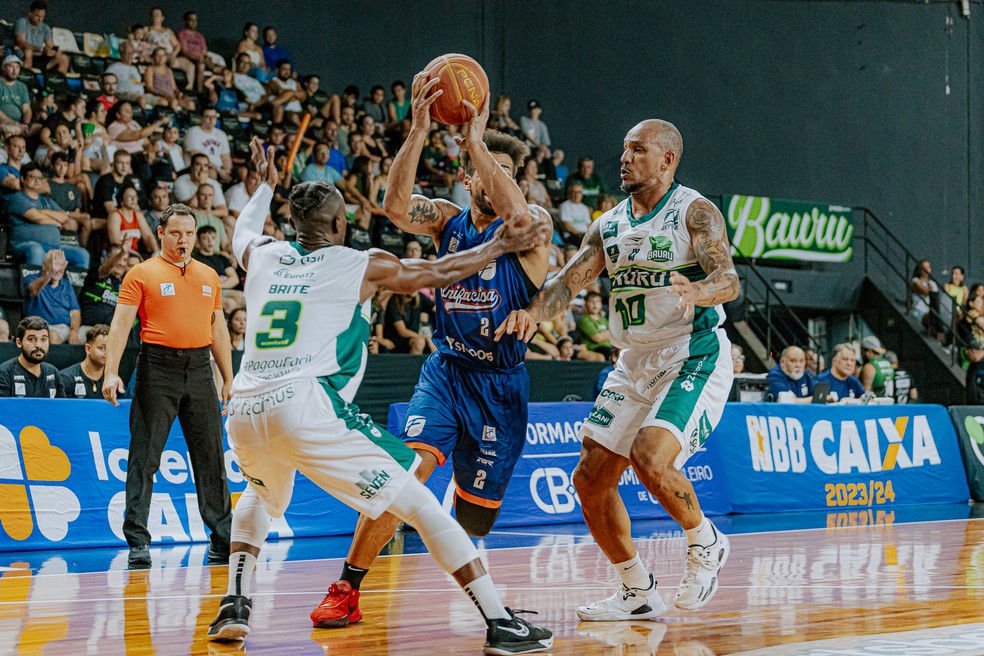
point(634, 574)
point(483, 593)
point(704, 534)
point(241, 566)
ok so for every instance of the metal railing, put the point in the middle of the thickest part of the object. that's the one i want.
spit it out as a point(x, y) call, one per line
point(889, 264)
point(772, 321)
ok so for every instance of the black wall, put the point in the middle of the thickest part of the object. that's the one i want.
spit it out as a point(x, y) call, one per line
point(844, 102)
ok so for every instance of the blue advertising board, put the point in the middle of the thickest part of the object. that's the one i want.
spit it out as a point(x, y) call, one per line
point(806, 457)
point(63, 473)
point(541, 492)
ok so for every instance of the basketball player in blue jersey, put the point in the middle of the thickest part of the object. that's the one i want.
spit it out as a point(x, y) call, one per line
point(470, 404)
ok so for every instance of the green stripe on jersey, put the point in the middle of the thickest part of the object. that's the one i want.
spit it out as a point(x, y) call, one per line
point(355, 420)
point(679, 402)
point(348, 350)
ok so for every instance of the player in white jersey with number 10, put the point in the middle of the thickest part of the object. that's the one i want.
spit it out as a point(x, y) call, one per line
point(666, 249)
point(306, 334)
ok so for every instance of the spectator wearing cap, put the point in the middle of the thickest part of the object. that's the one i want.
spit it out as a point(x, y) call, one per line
point(28, 375)
point(36, 41)
point(975, 373)
point(593, 187)
point(843, 383)
point(15, 100)
point(535, 130)
point(905, 387)
point(877, 374)
point(791, 377)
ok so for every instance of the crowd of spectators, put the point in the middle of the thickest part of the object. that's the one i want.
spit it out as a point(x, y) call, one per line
point(861, 372)
point(95, 147)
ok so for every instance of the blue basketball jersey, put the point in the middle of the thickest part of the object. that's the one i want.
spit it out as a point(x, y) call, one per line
point(469, 311)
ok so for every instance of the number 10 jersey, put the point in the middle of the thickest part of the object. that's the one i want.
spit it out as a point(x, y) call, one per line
point(640, 254)
point(304, 319)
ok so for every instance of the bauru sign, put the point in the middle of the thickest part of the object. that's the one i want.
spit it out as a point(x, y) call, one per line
point(773, 229)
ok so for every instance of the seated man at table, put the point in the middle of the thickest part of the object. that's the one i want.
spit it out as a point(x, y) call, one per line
point(790, 375)
point(843, 383)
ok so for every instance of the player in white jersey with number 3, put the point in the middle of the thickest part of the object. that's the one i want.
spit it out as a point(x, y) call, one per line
point(292, 409)
point(666, 249)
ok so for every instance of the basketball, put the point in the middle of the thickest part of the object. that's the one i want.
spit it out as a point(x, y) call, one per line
point(462, 80)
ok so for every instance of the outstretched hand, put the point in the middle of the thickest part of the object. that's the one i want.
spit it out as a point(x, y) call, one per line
point(422, 97)
point(263, 161)
point(516, 238)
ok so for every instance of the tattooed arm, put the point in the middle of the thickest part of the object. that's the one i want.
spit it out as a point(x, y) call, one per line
point(556, 295)
point(710, 241)
point(413, 213)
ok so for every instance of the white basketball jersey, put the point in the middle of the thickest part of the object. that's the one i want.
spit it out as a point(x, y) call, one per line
point(304, 319)
point(640, 254)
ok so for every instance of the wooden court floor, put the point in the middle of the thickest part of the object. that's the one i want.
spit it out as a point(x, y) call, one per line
point(914, 588)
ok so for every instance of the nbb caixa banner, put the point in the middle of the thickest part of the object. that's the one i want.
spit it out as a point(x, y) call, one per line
point(541, 491)
point(63, 472)
point(774, 229)
point(788, 457)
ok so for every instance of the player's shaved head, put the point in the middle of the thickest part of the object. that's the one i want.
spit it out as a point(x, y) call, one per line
point(661, 133)
point(317, 210)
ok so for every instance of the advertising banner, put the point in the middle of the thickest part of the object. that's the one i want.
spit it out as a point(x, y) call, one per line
point(774, 229)
point(969, 422)
point(792, 457)
point(63, 470)
point(541, 492)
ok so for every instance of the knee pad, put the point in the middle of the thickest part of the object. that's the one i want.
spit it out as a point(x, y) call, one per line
point(476, 520)
point(444, 538)
point(250, 520)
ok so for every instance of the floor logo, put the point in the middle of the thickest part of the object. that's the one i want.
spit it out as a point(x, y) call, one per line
point(28, 467)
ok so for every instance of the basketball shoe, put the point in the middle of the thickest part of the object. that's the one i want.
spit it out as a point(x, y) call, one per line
point(515, 636)
point(626, 604)
point(700, 580)
point(232, 622)
point(339, 608)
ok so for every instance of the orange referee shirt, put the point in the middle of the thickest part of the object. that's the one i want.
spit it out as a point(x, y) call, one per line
point(175, 310)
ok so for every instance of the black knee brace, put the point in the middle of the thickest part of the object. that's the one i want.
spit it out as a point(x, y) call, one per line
point(476, 520)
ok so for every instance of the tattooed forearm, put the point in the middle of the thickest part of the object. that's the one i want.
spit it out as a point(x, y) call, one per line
point(423, 212)
point(579, 272)
point(710, 241)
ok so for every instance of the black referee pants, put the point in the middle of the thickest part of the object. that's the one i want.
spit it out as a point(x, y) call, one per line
point(176, 383)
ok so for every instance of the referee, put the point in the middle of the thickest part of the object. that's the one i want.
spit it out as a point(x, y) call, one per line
point(179, 301)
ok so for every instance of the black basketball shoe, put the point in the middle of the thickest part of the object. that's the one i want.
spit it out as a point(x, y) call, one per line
point(232, 622)
point(515, 636)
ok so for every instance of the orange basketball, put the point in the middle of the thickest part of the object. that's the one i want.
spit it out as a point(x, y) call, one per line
point(462, 80)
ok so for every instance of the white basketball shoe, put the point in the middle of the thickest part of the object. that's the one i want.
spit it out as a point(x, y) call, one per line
point(700, 581)
point(625, 604)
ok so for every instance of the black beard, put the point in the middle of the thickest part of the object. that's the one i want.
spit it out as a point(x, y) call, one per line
point(632, 187)
point(484, 206)
point(30, 358)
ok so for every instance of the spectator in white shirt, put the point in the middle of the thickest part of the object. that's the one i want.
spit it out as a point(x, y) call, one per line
point(239, 194)
point(213, 142)
point(129, 80)
point(186, 186)
point(574, 214)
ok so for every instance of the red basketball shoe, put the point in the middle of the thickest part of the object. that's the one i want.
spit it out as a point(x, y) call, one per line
point(339, 608)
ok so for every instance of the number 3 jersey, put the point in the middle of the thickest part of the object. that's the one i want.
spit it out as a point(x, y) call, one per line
point(640, 254)
point(304, 319)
